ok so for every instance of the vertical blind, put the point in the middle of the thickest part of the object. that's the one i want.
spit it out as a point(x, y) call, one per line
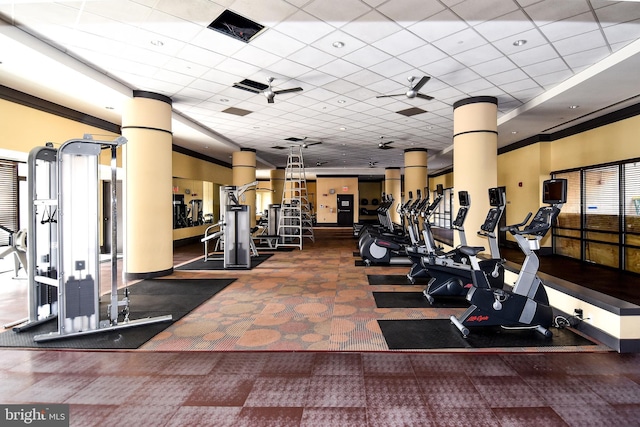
point(8, 198)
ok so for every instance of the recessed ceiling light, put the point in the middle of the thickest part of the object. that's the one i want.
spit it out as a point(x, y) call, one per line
point(157, 43)
point(109, 107)
point(224, 100)
point(341, 101)
point(514, 132)
point(520, 42)
point(338, 44)
point(573, 107)
point(206, 147)
point(343, 128)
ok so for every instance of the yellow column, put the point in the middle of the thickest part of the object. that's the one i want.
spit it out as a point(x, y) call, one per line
point(277, 185)
point(415, 171)
point(244, 172)
point(393, 186)
point(475, 159)
point(148, 213)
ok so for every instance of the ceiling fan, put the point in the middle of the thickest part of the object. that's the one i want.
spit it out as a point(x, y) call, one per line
point(320, 163)
point(267, 90)
point(305, 143)
point(373, 164)
point(414, 89)
point(384, 145)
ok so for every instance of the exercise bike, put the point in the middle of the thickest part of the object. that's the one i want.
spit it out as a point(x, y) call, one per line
point(451, 272)
point(526, 305)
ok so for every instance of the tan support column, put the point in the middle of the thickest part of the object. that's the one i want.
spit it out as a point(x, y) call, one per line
point(393, 186)
point(147, 161)
point(277, 185)
point(415, 171)
point(475, 159)
point(244, 172)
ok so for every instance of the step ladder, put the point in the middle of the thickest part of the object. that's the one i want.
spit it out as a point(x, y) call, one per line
point(296, 220)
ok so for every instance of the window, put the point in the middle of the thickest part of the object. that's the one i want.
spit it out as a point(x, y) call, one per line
point(8, 199)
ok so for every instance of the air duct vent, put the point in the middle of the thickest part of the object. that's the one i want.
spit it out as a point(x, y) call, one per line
point(248, 85)
point(236, 26)
point(411, 111)
point(237, 111)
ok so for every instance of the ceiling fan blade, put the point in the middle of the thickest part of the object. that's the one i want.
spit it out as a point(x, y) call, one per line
point(387, 96)
point(423, 81)
point(247, 88)
point(309, 144)
point(293, 89)
point(423, 96)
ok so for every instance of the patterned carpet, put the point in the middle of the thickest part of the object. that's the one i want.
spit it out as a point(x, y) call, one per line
point(314, 299)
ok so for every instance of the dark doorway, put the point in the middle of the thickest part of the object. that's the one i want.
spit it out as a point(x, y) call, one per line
point(345, 210)
point(106, 211)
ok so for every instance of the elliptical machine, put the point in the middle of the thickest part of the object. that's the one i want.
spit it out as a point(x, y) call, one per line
point(527, 304)
point(451, 272)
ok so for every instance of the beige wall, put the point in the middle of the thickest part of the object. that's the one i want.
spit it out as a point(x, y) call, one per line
point(446, 180)
point(532, 164)
point(327, 202)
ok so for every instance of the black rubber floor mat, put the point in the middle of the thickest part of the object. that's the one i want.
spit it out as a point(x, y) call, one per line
point(429, 334)
point(148, 298)
point(415, 300)
point(395, 279)
point(218, 264)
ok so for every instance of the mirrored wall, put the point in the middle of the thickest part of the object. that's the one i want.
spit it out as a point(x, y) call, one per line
point(194, 203)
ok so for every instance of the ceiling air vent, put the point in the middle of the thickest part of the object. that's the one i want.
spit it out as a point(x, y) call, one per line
point(247, 85)
point(237, 111)
point(411, 111)
point(236, 26)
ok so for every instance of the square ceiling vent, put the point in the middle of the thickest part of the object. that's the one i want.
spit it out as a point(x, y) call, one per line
point(411, 111)
point(236, 26)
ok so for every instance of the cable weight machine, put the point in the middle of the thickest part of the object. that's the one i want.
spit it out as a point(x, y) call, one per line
point(64, 250)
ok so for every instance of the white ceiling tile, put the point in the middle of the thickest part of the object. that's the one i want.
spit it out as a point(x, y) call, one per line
point(364, 77)
point(485, 10)
point(507, 25)
point(535, 55)
point(118, 10)
point(367, 56)
point(337, 12)
point(474, 85)
point(351, 43)
point(340, 87)
point(570, 27)
point(201, 11)
point(216, 42)
point(494, 66)
point(442, 67)
point(507, 77)
point(616, 12)
point(438, 26)
point(478, 55)
point(520, 85)
point(460, 42)
point(264, 12)
point(361, 27)
point(626, 32)
point(410, 11)
point(339, 68)
point(304, 27)
point(582, 42)
point(168, 26)
point(399, 43)
point(317, 78)
point(256, 56)
point(238, 68)
point(288, 68)
point(545, 67)
point(422, 56)
point(533, 38)
point(586, 57)
point(277, 43)
point(551, 10)
point(311, 57)
point(221, 77)
point(527, 94)
point(391, 67)
point(460, 76)
point(552, 79)
point(200, 56)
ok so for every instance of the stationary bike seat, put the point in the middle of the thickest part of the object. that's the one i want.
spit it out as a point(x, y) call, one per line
point(471, 250)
